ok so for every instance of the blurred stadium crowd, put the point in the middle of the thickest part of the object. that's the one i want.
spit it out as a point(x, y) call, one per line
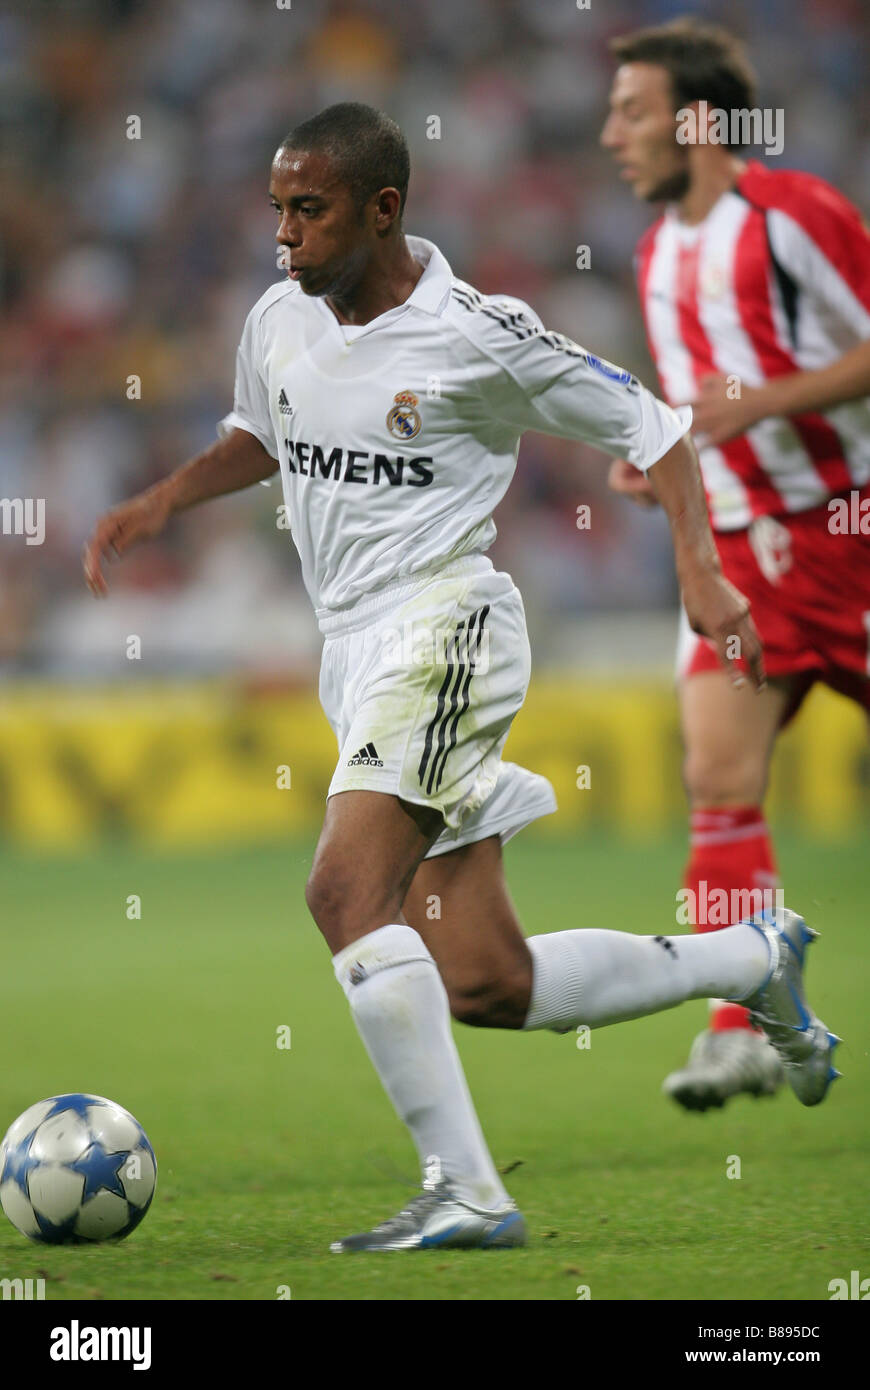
point(143, 257)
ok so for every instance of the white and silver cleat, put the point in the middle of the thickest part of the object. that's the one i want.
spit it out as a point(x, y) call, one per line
point(436, 1219)
point(735, 1061)
point(804, 1044)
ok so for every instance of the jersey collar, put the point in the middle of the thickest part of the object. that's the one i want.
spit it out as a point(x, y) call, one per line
point(432, 290)
point(430, 294)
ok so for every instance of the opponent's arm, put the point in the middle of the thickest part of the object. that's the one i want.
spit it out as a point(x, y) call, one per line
point(235, 462)
point(630, 482)
point(721, 418)
point(821, 242)
point(713, 606)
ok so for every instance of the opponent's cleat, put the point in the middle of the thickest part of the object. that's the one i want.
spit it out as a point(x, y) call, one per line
point(779, 1006)
point(437, 1220)
point(722, 1065)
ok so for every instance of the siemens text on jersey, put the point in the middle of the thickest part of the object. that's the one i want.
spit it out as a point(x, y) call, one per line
point(352, 466)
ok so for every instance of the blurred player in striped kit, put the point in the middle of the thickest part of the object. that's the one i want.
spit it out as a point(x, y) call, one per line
point(755, 290)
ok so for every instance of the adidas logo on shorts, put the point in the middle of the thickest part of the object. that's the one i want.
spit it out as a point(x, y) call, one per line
point(366, 757)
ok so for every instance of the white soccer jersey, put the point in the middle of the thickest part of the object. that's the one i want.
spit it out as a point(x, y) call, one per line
point(775, 280)
point(397, 439)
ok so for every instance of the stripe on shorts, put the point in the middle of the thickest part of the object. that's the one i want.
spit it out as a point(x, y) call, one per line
point(450, 707)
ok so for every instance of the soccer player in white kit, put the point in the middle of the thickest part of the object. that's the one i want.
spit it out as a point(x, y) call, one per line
point(392, 398)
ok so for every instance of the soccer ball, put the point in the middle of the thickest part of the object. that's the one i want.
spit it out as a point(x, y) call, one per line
point(75, 1169)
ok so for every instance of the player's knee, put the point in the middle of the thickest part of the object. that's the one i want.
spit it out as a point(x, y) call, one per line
point(322, 896)
point(719, 778)
point(501, 1002)
point(330, 897)
point(345, 905)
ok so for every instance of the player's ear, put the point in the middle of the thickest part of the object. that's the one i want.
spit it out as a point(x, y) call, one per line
point(388, 203)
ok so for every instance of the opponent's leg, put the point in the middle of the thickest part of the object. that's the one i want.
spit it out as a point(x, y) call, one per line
point(729, 736)
point(368, 851)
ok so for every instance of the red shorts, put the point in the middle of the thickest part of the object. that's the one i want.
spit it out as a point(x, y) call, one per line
point(810, 595)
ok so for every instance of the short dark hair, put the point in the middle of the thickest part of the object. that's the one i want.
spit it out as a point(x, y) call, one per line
point(704, 61)
point(366, 145)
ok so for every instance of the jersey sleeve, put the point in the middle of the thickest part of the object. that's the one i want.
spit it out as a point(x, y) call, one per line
point(540, 380)
point(820, 241)
point(251, 396)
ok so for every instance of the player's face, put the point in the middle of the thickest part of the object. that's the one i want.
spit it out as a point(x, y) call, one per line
point(640, 132)
point(328, 236)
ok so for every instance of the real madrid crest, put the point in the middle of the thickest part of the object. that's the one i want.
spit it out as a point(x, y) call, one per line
point(403, 419)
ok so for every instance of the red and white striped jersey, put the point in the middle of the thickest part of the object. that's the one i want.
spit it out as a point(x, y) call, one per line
point(776, 279)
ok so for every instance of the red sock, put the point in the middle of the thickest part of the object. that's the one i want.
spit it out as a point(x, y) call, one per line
point(730, 852)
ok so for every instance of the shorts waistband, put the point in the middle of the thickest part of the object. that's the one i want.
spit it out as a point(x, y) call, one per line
point(333, 621)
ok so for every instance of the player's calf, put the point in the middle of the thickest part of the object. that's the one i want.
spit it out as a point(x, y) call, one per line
point(500, 1001)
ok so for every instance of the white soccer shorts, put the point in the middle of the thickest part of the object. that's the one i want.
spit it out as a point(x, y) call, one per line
point(421, 683)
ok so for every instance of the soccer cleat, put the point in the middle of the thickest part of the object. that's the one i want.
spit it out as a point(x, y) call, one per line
point(802, 1040)
point(722, 1065)
point(437, 1220)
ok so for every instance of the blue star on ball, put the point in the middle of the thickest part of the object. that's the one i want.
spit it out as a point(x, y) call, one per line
point(100, 1171)
point(18, 1162)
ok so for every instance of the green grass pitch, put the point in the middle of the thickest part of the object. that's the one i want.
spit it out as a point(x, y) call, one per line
point(266, 1154)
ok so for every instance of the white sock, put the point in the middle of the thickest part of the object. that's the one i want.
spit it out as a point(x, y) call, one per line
point(600, 977)
point(400, 1006)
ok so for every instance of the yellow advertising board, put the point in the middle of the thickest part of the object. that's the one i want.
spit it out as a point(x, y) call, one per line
point(171, 765)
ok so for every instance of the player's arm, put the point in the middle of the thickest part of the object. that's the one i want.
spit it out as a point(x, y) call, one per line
point(234, 462)
point(721, 418)
point(545, 381)
point(713, 606)
point(244, 454)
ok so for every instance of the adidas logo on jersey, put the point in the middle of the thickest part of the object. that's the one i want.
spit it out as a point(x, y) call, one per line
point(283, 404)
point(366, 757)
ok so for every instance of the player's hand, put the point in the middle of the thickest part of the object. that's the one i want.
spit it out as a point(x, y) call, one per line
point(140, 519)
point(629, 482)
point(718, 611)
point(718, 414)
